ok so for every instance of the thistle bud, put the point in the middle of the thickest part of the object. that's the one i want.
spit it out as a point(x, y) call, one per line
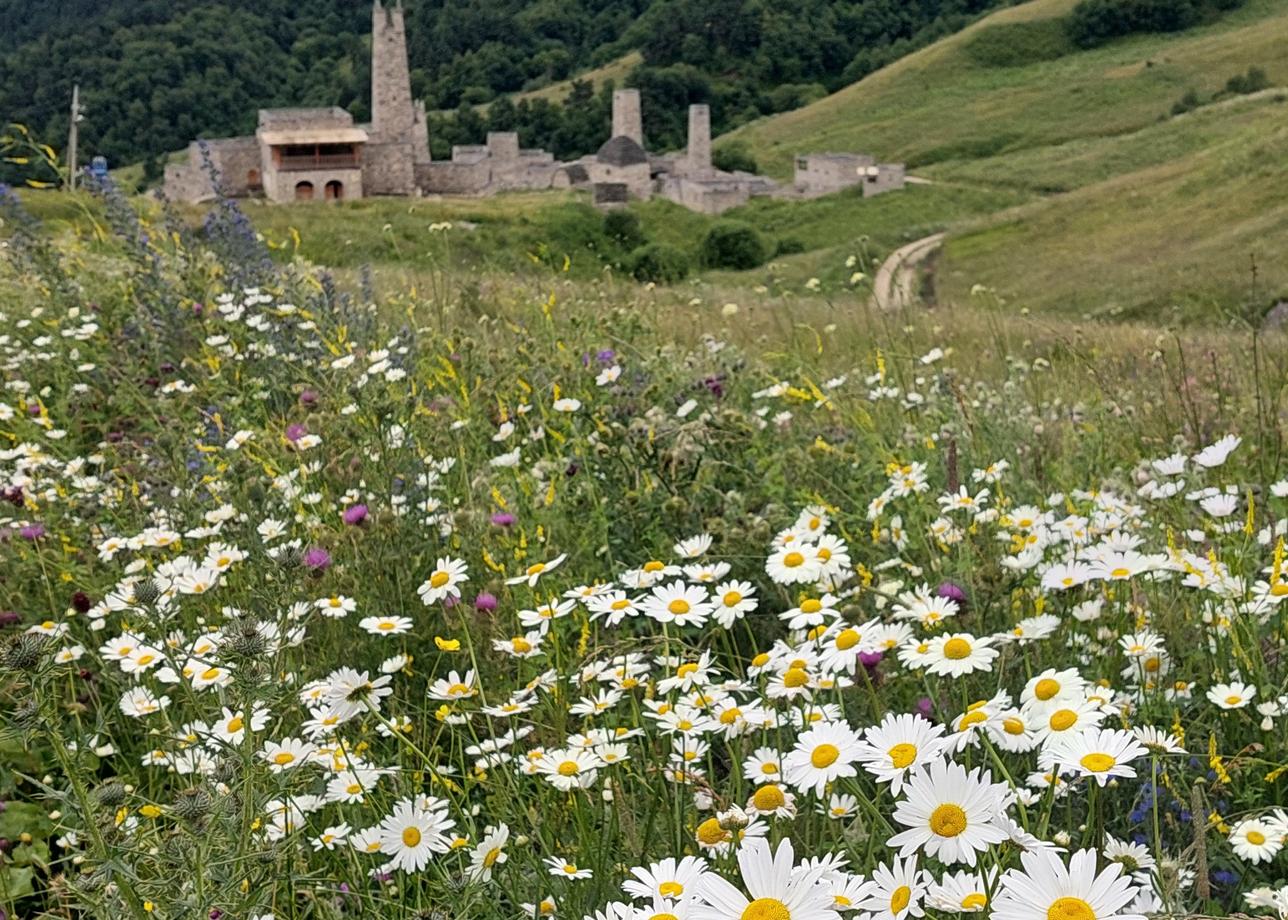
point(24, 652)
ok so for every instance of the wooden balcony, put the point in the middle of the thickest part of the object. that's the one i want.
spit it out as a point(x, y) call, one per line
point(296, 163)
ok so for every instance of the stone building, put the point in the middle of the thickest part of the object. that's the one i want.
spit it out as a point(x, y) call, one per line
point(306, 154)
point(824, 173)
point(301, 154)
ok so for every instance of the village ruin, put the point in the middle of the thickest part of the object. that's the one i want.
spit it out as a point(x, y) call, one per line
point(302, 154)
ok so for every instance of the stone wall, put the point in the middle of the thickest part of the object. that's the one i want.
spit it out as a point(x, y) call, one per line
point(441, 178)
point(889, 178)
point(234, 158)
point(824, 173)
point(389, 169)
point(280, 186)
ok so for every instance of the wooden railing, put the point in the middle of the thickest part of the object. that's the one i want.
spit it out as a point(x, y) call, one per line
point(319, 161)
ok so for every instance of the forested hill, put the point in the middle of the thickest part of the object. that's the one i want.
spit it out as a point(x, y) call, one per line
point(157, 73)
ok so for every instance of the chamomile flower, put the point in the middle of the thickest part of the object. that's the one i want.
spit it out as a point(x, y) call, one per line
point(1045, 887)
point(823, 754)
point(444, 581)
point(900, 746)
point(949, 814)
point(774, 890)
point(414, 831)
point(667, 878)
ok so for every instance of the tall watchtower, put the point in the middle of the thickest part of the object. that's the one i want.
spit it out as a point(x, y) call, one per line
point(399, 135)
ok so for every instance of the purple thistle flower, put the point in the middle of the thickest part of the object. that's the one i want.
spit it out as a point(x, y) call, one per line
point(503, 519)
point(9, 618)
point(32, 531)
point(355, 515)
point(308, 397)
point(606, 356)
point(952, 591)
point(295, 432)
point(316, 558)
point(870, 659)
point(485, 602)
point(925, 707)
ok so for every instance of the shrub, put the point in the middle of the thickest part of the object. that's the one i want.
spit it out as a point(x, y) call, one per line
point(789, 245)
point(735, 156)
point(1254, 81)
point(623, 227)
point(733, 244)
point(1187, 103)
point(660, 264)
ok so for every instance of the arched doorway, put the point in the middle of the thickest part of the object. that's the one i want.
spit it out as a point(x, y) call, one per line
point(334, 190)
point(304, 191)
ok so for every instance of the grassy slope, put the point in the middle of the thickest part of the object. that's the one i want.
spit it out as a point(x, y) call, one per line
point(1159, 212)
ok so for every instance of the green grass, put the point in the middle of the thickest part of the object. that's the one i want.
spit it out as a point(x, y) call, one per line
point(1137, 212)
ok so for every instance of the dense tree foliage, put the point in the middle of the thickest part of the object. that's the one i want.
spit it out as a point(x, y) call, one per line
point(157, 73)
point(1094, 22)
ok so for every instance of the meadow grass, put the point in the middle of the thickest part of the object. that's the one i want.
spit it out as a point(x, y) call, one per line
point(485, 599)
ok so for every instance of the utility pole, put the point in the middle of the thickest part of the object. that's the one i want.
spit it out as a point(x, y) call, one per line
point(73, 137)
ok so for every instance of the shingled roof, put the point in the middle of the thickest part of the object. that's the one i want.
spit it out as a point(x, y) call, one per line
point(621, 151)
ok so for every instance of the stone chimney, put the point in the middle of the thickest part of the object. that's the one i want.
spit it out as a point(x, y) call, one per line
point(698, 152)
point(626, 115)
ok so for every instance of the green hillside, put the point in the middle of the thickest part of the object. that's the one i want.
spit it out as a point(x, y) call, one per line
point(1137, 209)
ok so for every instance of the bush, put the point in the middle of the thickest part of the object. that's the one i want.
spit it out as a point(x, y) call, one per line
point(735, 156)
point(1254, 81)
point(660, 264)
point(623, 227)
point(733, 244)
point(1187, 103)
point(789, 245)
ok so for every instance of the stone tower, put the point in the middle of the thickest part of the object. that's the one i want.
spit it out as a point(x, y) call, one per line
point(626, 115)
point(399, 135)
point(698, 153)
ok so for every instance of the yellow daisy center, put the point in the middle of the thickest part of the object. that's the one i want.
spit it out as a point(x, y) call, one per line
point(956, 649)
point(1070, 909)
point(811, 605)
point(766, 909)
point(679, 607)
point(1013, 726)
point(948, 820)
point(670, 889)
point(974, 901)
point(1063, 720)
point(900, 898)
point(710, 832)
point(795, 677)
point(793, 560)
point(283, 758)
point(1046, 688)
point(769, 798)
point(824, 755)
point(1098, 763)
point(235, 725)
point(536, 568)
point(902, 754)
point(1256, 838)
point(846, 639)
point(438, 579)
point(732, 599)
point(569, 768)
